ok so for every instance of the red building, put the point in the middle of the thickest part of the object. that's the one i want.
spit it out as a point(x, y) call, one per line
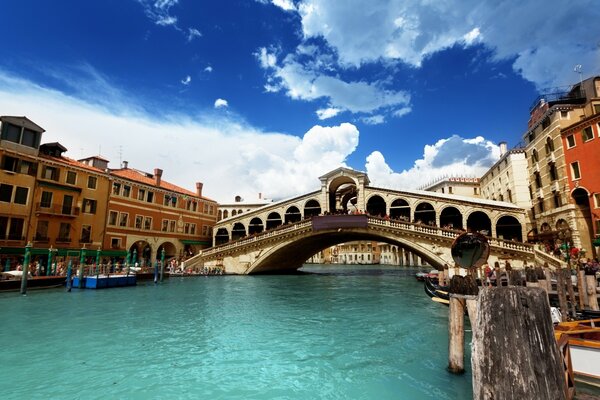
point(581, 143)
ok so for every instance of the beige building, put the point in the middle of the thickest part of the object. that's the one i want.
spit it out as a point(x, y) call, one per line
point(460, 186)
point(240, 206)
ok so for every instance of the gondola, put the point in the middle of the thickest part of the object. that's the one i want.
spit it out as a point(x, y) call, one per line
point(437, 293)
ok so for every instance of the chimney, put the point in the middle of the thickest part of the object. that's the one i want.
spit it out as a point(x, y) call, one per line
point(199, 189)
point(157, 175)
point(260, 196)
point(125, 164)
point(502, 148)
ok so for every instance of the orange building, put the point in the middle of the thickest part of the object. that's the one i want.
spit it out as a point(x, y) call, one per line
point(581, 142)
point(148, 214)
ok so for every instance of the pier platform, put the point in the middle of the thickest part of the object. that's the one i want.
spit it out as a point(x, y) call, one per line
point(106, 281)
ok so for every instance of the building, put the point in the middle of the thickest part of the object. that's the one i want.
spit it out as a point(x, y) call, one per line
point(581, 143)
point(461, 186)
point(147, 214)
point(508, 180)
point(553, 210)
point(240, 206)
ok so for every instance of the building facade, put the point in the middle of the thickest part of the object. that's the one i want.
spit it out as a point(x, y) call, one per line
point(461, 186)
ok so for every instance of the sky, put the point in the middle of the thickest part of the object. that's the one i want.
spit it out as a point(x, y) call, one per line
point(265, 96)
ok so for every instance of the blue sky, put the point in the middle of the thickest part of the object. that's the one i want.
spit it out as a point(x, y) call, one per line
point(254, 96)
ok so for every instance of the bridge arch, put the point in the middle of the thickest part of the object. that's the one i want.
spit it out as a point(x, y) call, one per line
point(292, 254)
point(509, 228)
point(273, 220)
point(342, 190)
point(292, 214)
point(255, 226)
point(222, 236)
point(238, 231)
point(311, 208)
point(425, 213)
point(400, 209)
point(376, 206)
point(451, 218)
point(478, 221)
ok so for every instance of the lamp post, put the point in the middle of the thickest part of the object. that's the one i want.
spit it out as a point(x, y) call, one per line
point(127, 262)
point(25, 269)
point(98, 253)
point(162, 264)
point(565, 236)
point(49, 269)
point(82, 265)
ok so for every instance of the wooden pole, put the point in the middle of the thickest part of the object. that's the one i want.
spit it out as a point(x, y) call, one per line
point(562, 297)
point(581, 289)
point(571, 291)
point(456, 335)
point(591, 291)
point(514, 353)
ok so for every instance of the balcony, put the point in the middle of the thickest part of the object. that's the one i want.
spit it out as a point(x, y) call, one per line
point(56, 209)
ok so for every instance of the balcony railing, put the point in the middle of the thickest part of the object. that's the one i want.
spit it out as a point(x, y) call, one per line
point(57, 209)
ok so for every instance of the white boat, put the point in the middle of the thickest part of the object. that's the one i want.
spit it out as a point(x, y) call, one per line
point(584, 344)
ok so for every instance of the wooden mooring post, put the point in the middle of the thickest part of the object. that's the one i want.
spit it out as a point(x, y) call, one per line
point(514, 353)
point(463, 292)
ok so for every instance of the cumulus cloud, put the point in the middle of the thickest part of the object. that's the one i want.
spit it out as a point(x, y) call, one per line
point(249, 160)
point(221, 103)
point(454, 156)
point(538, 39)
point(187, 80)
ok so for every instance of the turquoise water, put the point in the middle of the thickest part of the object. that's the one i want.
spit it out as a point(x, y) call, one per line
point(339, 334)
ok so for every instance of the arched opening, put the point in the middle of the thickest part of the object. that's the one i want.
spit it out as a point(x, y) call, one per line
point(222, 236)
point(170, 251)
point(583, 219)
point(292, 214)
point(238, 231)
point(220, 215)
point(509, 228)
point(425, 214)
point(342, 190)
point(312, 208)
point(376, 206)
point(451, 218)
point(255, 226)
point(562, 225)
point(545, 227)
point(273, 220)
point(225, 214)
point(349, 201)
point(141, 252)
point(233, 213)
point(400, 210)
point(239, 212)
point(478, 221)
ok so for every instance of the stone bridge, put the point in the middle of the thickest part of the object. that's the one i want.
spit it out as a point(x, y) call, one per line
point(283, 235)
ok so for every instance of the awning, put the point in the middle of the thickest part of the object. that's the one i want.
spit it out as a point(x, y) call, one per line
point(596, 242)
point(200, 242)
point(113, 253)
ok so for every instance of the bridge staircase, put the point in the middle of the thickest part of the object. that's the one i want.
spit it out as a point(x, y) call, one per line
point(542, 257)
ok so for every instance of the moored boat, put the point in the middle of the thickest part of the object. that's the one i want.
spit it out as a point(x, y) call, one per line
point(584, 343)
point(11, 281)
point(437, 293)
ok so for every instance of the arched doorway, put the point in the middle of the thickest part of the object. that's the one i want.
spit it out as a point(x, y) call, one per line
point(312, 208)
point(141, 252)
point(292, 214)
point(222, 236)
point(451, 218)
point(509, 228)
point(478, 221)
point(425, 214)
point(170, 251)
point(238, 231)
point(341, 190)
point(583, 219)
point(400, 210)
point(255, 226)
point(273, 220)
point(376, 206)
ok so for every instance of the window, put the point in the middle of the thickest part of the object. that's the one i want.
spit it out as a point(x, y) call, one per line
point(587, 134)
point(509, 195)
point(10, 163)
point(116, 189)
point(64, 232)
point(204, 230)
point(112, 217)
point(211, 210)
point(553, 172)
point(549, 145)
point(29, 138)
point(141, 194)
point(71, 177)
point(450, 189)
point(126, 190)
point(570, 141)
point(28, 168)
point(194, 206)
point(89, 206)
point(564, 115)
point(67, 206)
point(534, 156)
point(123, 219)
point(15, 229)
point(46, 200)
point(165, 225)
point(186, 228)
point(596, 108)
point(192, 229)
point(556, 198)
point(150, 197)
point(205, 207)
point(86, 234)
point(11, 132)
point(541, 204)
point(575, 174)
point(597, 200)
point(115, 243)
point(50, 173)
point(148, 223)
point(538, 180)
point(3, 226)
point(41, 231)
point(92, 182)
point(6, 192)
point(138, 221)
point(172, 226)
point(545, 123)
point(21, 195)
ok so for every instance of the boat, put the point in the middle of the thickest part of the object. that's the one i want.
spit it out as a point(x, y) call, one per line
point(432, 275)
point(437, 293)
point(10, 281)
point(584, 342)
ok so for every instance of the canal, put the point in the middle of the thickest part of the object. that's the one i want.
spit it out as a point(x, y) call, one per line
point(366, 332)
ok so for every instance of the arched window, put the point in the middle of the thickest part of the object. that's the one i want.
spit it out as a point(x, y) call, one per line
point(376, 206)
point(312, 208)
point(292, 214)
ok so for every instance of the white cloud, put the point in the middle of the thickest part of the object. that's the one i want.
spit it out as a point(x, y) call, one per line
point(454, 156)
point(373, 120)
point(208, 69)
point(221, 103)
point(249, 160)
point(193, 33)
point(402, 112)
point(540, 40)
point(267, 59)
point(159, 11)
point(187, 80)
point(287, 5)
point(326, 113)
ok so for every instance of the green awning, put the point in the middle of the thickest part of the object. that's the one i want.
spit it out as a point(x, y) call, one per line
point(113, 253)
point(201, 242)
point(596, 242)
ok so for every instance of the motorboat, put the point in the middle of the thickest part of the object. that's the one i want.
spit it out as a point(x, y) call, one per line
point(584, 342)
